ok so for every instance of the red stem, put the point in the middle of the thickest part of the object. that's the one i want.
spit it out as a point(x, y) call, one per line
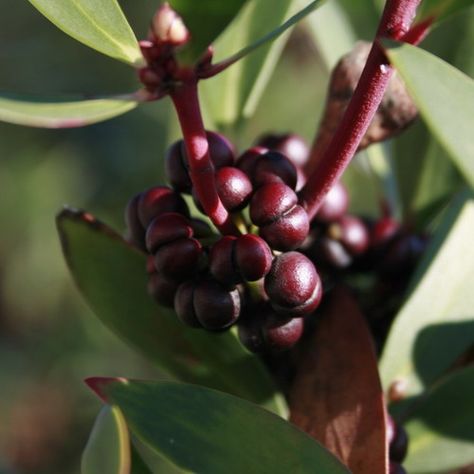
point(394, 24)
point(201, 168)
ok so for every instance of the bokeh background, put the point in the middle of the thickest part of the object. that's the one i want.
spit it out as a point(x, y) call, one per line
point(49, 340)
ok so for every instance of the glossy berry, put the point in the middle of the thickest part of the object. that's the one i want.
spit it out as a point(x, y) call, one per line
point(383, 231)
point(287, 232)
point(135, 229)
point(184, 304)
point(234, 188)
point(216, 306)
point(246, 258)
point(283, 223)
point(166, 228)
point(293, 285)
point(178, 259)
point(159, 200)
point(291, 145)
point(352, 233)
point(247, 161)
point(269, 334)
point(270, 202)
point(201, 229)
point(162, 289)
point(334, 205)
point(274, 167)
point(331, 252)
point(221, 151)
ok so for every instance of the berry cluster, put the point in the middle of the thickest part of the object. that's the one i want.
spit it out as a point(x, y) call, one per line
point(257, 279)
point(264, 280)
point(397, 446)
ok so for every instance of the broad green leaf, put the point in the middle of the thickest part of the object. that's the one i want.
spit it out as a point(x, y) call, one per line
point(445, 98)
point(234, 94)
point(203, 430)
point(108, 448)
point(62, 113)
point(435, 325)
point(111, 276)
point(441, 429)
point(99, 24)
point(439, 10)
point(205, 19)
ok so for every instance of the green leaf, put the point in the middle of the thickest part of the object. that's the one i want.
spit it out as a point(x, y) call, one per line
point(205, 19)
point(234, 94)
point(450, 116)
point(435, 325)
point(202, 430)
point(108, 448)
point(440, 430)
point(99, 24)
point(62, 113)
point(111, 276)
point(439, 10)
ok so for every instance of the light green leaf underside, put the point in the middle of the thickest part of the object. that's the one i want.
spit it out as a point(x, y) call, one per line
point(445, 98)
point(202, 430)
point(235, 93)
point(99, 24)
point(61, 114)
point(108, 448)
point(435, 325)
point(441, 431)
point(112, 278)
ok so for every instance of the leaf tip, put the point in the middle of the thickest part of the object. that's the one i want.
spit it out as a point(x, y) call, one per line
point(99, 385)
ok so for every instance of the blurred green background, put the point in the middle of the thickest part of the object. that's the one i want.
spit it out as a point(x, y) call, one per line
point(49, 340)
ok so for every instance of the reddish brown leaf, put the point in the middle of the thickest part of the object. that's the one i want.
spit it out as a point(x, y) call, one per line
point(337, 396)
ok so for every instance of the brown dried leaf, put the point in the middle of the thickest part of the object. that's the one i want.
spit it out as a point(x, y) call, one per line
point(337, 396)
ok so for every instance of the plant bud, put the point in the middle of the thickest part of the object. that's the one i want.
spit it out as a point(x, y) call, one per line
point(168, 27)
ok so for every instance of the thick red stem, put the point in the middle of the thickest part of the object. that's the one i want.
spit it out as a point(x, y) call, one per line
point(201, 169)
point(394, 24)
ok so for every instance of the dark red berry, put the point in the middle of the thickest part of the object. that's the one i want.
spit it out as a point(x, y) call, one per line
point(179, 259)
point(289, 231)
point(135, 229)
point(331, 252)
point(252, 256)
point(291, 145)
point(176, 167)
point(221, 150)
point(166, 228)
point(274, 167)
point(158, 200)
point(270, 202)
point(280, 336)
point(246, 258)
point(184, 304)
point(162, 289)
point(221, 261)
point(247, 161)
point(383, 231)
point(293, 285)
point(300, 179)
point(201, 229)
point(335, 204)
point(352, 233)
point(234, 188)
point(216, 307)
point(398, 445)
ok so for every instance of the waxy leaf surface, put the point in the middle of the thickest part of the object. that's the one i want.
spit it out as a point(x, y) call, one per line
point(441, 428)
point(111, 276)
point(435, 325)
point(108, 448)
point(203, 430)
point(337, 396)
point(99, 24)
point(260, 28)
point(445, 99)
point(61, 113)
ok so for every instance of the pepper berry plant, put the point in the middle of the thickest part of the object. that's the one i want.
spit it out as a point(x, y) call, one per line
point(297, 334)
